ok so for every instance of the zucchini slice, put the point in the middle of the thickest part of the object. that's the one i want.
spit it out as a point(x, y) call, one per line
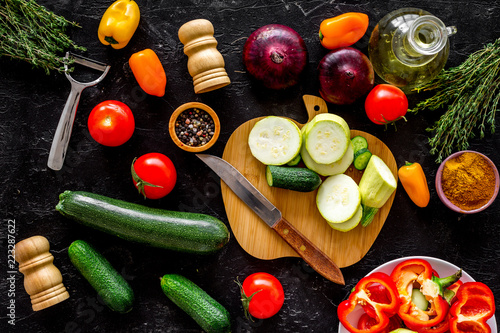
point(349, 224)
point(338, 198)
point(331, 169)
point(359, 142)
point(327, 138)
point(275, 140)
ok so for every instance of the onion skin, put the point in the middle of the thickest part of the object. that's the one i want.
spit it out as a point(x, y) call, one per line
point(345, 75)
point(276, 55)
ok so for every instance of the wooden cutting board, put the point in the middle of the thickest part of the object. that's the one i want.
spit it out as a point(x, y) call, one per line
point(256, 238)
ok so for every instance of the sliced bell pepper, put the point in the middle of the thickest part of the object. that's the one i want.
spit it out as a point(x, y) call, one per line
point(148, 72)
point(474, 306)
point(361, 296)
point(418, 273)
point(118, 23)
point(414, 182)
point(365, 322)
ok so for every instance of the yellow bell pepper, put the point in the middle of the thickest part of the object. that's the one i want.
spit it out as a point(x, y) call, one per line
point(118, 24)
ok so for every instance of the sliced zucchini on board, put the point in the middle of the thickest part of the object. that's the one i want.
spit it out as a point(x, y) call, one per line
point(331, 169)
point(295, 161)
point(349, 224)
point(292, 178)
point(338, 198)
point(275, 140)
point(327, 137)
point(376, 186)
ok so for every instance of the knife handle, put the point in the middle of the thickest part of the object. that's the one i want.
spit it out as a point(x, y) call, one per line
point(311, 254)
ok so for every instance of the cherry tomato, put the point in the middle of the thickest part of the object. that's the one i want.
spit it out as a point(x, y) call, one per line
point(268, 298)
point(386, 104)
point(111, 123)
point(154, 175)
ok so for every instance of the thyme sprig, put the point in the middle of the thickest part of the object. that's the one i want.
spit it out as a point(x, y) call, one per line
point(31, 33)
point(471, 93)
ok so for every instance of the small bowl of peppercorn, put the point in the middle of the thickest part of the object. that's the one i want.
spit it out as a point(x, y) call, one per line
point(467, 182)
point(194, 127)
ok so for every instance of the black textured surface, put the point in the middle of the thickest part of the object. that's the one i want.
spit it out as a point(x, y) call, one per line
point(31, 103)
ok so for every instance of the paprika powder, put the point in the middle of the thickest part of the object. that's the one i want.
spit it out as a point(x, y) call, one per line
point(468, 181)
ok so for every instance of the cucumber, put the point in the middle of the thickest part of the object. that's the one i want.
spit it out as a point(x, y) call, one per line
point(419, 299)
point(359, 142)
point(114, 291)
point(295, 161)
point(328, 169)
point(292, 178)
point(180, 231)
point(338, 198)
point(361, 158)
point(349, 224)
point(275, 140)
point(376, 186)
point(207, 312)
point(327, 137)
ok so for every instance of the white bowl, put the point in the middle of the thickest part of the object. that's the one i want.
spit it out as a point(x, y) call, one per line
point(443, 268)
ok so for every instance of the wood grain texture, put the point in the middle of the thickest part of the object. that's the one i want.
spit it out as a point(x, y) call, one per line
point(256, 238)
point(311, 254)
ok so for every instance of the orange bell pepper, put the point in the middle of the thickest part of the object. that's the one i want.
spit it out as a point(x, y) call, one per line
point(149, 72)
point(412, 177)
point(343, 30)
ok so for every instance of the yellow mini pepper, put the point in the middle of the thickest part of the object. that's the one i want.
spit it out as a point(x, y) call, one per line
point(414, 182)
point(343, 30)
point(118, 24)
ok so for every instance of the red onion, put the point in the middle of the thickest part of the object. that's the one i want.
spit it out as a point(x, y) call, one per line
point(276, 55)
point(345, 75)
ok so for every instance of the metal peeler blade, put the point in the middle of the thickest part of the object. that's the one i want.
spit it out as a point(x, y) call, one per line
point(65, 125)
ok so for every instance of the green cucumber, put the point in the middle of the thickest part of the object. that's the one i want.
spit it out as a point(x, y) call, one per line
point(359, 142)
point(361, 158)
point(207, 312)
point(180, 231)
point(111, 287)
point(418, 298)
point(275, 140)
point(292, 178)
point(376, 186)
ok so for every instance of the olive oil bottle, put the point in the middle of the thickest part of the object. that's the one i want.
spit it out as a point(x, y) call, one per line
point(409, 47)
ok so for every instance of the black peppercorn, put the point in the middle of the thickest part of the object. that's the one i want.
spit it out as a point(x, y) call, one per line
point(194, 127)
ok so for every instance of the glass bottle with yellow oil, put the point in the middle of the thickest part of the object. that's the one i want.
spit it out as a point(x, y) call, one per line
point(409, 47)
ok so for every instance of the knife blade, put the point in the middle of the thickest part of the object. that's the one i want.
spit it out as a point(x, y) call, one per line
point(271, 215)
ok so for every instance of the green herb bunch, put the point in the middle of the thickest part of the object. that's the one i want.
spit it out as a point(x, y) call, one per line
point(471, 93)
point(31, 33)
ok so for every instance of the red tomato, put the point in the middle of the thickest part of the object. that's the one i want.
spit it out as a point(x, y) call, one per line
point(111, 123)
point(385, 104)
point(269, 296)
point(154, 175)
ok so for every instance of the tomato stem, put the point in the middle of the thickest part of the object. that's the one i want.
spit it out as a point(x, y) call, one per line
point(140, 183)
point(245, 300)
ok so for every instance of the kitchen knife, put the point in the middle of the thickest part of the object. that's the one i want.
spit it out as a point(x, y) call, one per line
point(311, 254)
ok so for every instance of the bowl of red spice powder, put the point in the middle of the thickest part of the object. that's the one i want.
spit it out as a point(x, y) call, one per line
point(194, 127)
point(467, 182)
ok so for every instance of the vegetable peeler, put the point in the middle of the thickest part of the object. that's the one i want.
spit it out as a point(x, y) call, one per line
point(65, 125)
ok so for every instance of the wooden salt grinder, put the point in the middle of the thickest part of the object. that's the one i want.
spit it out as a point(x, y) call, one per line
point(42, 280)
point(205, 63)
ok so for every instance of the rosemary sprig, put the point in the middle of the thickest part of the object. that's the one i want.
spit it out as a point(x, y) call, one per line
point(31, 33)
point(471, 93)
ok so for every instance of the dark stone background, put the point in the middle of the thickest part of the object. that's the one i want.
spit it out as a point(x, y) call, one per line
point(31, 103)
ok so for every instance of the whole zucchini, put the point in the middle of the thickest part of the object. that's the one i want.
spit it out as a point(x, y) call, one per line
point(179, 231)
point(207, 312)
point(114, 291)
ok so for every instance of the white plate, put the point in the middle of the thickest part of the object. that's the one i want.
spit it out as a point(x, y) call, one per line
point(443, 268)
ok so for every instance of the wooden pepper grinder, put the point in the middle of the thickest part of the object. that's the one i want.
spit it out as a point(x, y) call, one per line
point(205, 63)
point(42, 280)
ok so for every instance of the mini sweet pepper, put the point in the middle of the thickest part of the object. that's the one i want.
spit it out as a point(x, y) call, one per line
point(474, 306)
point(343, 30)
point(148, 72)
point(118, 24)
point(414, 182)
point(413, 273)
point(381, 311)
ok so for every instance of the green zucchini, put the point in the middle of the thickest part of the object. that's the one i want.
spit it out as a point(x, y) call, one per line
point(361, 158)
point(292, 178)
point(180, 231)
point(114, 291)
point(207, 312)
point(295, 161)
